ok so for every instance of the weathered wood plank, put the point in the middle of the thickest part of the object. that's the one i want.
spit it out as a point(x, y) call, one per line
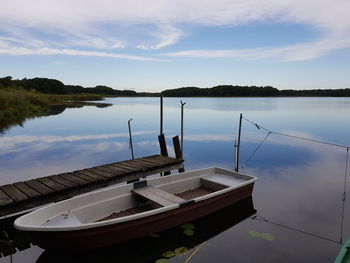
point(86, 177)
point(14, 193)
point(94, 175)
point(63, 181)
point(30, 192)
point(141, 163)
point(73, 178)
point(4, 199)
point(52, 184)
point(149, 163)
point(124, 168)
point(39, 187)
point(132, 167)
point(100, 172)
point(117, 170)
point(163, 159)
point(99, 169)
point(153, 161)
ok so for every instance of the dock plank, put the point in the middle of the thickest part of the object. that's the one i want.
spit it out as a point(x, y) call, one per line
point(100, 172)
point(30, 192)
point(4, 199)
point(94, 175)
point(86, 177)
point(117, 170)
point(132, 168)
point(39, 187)
point(14, 193)
point(124, 168)
point(52, 184)
point(61, 180)
point(75, 179)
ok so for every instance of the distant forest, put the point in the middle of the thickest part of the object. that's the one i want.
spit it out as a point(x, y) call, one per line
point(53, 86)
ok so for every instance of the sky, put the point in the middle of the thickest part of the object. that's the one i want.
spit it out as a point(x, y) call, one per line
point(164, 44)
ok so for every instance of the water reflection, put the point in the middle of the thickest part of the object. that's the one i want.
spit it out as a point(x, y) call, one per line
point(15, 120)
point(300, 184)
point(154, 247)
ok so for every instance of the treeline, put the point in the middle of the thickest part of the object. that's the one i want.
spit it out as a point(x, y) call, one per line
point(53, 86)
point(223, 91)
point(252, 91)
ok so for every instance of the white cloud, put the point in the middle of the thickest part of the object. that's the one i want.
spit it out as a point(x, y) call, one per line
point(21, 51)
point(167, 36)
point(64, 26)
point(16, 143)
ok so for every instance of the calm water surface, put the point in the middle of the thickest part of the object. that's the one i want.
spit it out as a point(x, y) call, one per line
point(298, 196)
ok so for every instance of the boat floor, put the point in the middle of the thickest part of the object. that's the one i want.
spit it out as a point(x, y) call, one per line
point(193, 193)
point(189, 194)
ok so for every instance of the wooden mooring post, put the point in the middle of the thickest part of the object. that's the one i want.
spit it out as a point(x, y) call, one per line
point(178, 151)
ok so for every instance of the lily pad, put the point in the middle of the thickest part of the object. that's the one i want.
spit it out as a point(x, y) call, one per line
point(168, 254)
point(254, 233)
point(162, 260)
point(181, 250)
point(188, 226)
point(267, 236)
point(188, 232)
point(154, 235)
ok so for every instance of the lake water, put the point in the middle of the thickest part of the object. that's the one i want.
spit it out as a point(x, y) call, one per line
point(298, 195)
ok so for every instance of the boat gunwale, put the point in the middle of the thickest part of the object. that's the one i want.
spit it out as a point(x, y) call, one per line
point(83, 226)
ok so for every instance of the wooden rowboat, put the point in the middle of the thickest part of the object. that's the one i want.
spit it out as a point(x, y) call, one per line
point(121, 213)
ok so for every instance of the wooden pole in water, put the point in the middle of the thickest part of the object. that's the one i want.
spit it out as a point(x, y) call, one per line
point(182, 127)
point(178, 152)
point(161, 114)
point(238, 143)
point(130, 140)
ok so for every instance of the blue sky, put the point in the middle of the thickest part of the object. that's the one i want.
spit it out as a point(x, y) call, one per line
point(162, 44)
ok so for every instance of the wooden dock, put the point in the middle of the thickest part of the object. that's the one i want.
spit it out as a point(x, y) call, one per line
point(22, 196)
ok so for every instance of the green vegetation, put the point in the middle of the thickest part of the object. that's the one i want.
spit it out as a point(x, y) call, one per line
point(53, 86)
point(18, 104)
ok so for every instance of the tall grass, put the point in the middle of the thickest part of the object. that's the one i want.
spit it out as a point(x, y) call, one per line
point(17, 104)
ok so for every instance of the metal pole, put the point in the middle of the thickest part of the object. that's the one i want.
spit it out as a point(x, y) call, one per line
point(238, 142)
point(161, 114)
point(182, 127)
point(130, 140)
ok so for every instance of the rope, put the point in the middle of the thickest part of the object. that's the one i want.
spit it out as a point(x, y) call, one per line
point(195, 251)
point(344, 196)
point(262, 219)
point(256, 149)
point(310, 140)
point(296, 137)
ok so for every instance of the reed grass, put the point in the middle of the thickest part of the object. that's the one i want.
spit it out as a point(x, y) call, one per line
point(18, 104)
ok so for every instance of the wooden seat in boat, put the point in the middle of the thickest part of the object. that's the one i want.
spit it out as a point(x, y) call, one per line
point(158, 196)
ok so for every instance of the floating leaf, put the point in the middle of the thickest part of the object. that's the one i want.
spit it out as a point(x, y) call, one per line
point(154, 235)
point(254, 233)
point(188, 226)
point(181, 250)
point(267, 236)
point(168, 254)
point(162, 260)
point(188, 232)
